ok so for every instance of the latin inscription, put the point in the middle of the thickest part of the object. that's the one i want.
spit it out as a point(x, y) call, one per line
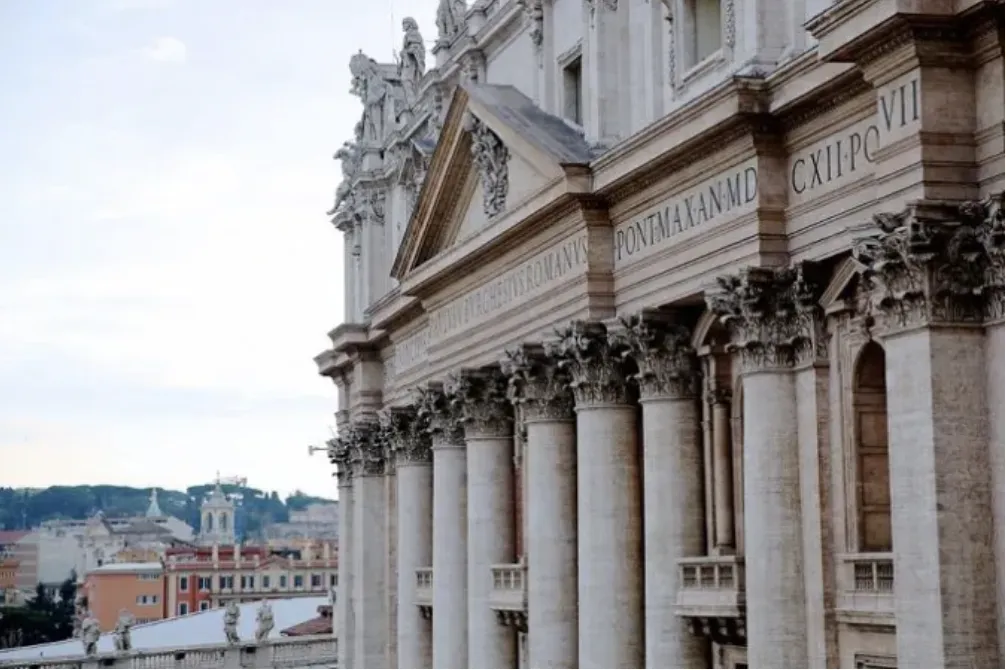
point(509, 290)
point(412, 351)
point(850, 154)
point(707, 204)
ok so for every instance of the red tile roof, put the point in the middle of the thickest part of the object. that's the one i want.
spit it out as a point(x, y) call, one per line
point(11, 536)
point(320, 625)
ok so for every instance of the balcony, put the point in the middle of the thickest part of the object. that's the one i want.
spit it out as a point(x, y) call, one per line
point(711, 597)
point(866, 589)
point(508, 597)
point(424, 591)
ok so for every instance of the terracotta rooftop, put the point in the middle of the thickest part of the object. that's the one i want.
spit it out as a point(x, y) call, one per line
point(320, 625)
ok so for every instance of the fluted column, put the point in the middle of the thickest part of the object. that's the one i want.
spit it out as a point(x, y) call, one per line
point(450, 532)
point(673, 499)
point(609, 535)
point(488, 425)
point(764, 309)
point(542, 390)
point(339, 454)
point(409, 437)
point(931, 277)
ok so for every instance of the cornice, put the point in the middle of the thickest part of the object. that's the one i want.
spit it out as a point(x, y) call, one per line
point(398, 310)
point(835, 92)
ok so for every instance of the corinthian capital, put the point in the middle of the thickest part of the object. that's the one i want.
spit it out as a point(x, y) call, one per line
point(482, 396)
point(662, 350)
point(933, 262)
point(441, 413)
point(772, 315)
point(407, 435)
point(596, 363)
point(367, 450)
point(339, 456)
point(538, 384)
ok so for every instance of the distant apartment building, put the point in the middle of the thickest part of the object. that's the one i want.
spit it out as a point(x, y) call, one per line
point(206, 577)
point(21, 546)
point(318, 521)
point(137, 588)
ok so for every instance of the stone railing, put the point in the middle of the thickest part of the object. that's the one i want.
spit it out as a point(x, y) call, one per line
point(424, 587)
point(316, 651)
point(711, 586)
point(866, 588)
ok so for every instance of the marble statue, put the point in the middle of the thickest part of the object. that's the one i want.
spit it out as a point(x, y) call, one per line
point(90, 633)
point(412, 65)
point(373, 91)
point(123, 639)
point(450, 19)
point(232, 614)
point(264, 621)
point(79, 612)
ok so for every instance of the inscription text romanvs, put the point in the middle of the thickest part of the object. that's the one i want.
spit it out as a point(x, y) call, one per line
point(725, 196)
point(529, 279)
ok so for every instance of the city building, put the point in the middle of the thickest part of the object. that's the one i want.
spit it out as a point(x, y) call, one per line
point(137, 588)
point(217, 518)
point(200, 578)
point(21, 547)
point(674, 338)
point(318, 521)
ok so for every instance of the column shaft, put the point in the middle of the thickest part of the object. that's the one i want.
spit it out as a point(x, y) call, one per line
point(370, 550)
point(490, 540)
point(415, 550)
point(776, 614)
point(344, 595)
point(450, 556)
point(723, 478)
point(609, 537)
point(550, 467)
point(674, 526)
point(994, 354)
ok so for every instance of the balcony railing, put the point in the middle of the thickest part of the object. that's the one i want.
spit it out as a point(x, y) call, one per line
point(424, 587)
point(866, 588)
point(711, 586)
point(316, 651)
point(509, 590)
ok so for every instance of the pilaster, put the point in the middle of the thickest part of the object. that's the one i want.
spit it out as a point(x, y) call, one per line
point(610, 537)
point(604, 54)
point(344, 629)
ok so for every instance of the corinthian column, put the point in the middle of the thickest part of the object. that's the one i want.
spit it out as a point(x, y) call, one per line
point(407, 432)
point(542, 390)
point(767, 312)
point(339, 454)
point(610, 541)
point(450, 533)
point(673, 500)
point(488, 423)
point(931, 278)
point(370, 548)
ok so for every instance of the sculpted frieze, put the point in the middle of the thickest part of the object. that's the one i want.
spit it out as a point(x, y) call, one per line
point(538, 384)
point(597, 364)
point(482, 396)
point(491, 159)
point(772, 315)
point(407, 433)
point(931, 263)
point(662, 349)
point(440, 409)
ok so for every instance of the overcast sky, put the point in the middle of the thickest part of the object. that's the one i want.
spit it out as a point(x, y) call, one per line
point(166, 269)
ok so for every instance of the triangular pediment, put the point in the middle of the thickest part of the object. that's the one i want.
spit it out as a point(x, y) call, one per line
point(520, 148)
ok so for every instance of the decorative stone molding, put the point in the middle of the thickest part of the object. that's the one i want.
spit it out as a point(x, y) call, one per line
point(537, 384)
point(491, 159)
point(367, 449)
point(407, 434)
point(597, 364)
point(442, 414)
point(472, 65)
point(932, 263)
point(772, 315)
point(592, 6)
point(339, 455)
point(729, 24)
point(672, 56)
point(662, 350)
point(485, 407)
point(535, 13)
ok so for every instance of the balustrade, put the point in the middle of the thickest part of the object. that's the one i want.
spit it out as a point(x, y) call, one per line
point(711, 586)
point(424, 587)
point(866, 588)
point(509, 588)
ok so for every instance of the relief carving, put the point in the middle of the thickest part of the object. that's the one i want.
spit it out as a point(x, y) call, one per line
point(407, 434)
point(772, 315)
point(662, 350)
point(537, 384)
point(485, 407)
point(441, 413)
point(491, 158)
point(597, 364)
point(933, 262)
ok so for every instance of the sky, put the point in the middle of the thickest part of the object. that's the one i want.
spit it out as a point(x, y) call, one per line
point(167, 271)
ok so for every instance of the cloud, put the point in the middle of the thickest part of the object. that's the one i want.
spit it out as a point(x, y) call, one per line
point(166, 50)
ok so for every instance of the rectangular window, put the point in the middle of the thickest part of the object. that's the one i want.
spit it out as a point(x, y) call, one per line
point(572, 91)
point(226, 581)
point(265, 581)
point(205, 583)
point(298, 581)
point(703, 30)
point(183, 583)
point(315, 581)
point(204, 605)
point(183, 609)
point(333, 580)
point(282, 581)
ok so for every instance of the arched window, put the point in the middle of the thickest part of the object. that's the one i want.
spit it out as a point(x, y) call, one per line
point(208, 523)
point(873, 487)
point(223, 522)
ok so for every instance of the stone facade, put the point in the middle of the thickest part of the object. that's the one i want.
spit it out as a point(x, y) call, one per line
point(674, 338)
